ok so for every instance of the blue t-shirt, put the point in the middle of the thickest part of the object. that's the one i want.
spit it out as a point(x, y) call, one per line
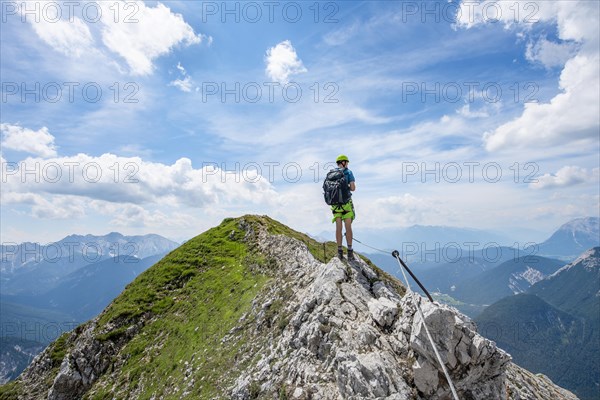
point(349, 176)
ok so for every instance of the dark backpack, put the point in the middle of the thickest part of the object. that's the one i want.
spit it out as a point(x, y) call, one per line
point(335, 188)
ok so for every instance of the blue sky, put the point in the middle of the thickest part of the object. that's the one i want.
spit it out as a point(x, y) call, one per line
point(471, 114)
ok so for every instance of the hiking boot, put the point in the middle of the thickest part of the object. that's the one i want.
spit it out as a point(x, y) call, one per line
point(350, 254)
point(341, 254)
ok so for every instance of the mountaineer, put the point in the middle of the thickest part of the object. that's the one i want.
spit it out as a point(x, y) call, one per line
point(337, 188)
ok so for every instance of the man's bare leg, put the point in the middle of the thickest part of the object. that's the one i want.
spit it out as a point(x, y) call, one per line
point(348, 224)
point(338, 236)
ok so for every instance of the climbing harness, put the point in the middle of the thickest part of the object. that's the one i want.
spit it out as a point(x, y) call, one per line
point(402, 264)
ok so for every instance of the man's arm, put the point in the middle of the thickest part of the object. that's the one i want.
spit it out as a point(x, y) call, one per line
point(352, 186)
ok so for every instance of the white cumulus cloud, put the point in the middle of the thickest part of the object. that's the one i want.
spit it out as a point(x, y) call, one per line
point(283, 62)
point(48, 186)
point(131, 29)
point(572, 115)
point(39, 143)
point(566, 176)
point(549, 54)
point(70, 38)
point(155, 33)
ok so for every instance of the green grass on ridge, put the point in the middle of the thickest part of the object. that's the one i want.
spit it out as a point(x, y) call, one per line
point(197, 295)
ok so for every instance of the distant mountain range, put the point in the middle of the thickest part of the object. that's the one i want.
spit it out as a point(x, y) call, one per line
point(511, 277)
point(14, 354)
point(572, 239)
point(447, 276)
point(575, 288)
point(554, 328)
point(50, 289)
point(90, 247)
point(476, 276)
point(430, 246)
point(85, 292)
point(426, 246)
point(32, 268)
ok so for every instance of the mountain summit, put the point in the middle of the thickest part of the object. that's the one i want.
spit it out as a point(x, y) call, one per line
point(254, 310)
point(572, 238)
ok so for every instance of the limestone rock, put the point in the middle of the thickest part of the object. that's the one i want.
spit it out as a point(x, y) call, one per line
point(383, 311)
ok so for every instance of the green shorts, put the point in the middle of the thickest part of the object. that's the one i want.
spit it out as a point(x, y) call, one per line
point(344, 211)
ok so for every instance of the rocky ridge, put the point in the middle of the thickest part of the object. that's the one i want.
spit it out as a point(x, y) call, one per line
point(316, 330)
point(355, 334)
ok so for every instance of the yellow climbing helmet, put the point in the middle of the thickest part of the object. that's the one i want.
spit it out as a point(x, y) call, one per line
point(341, 158)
